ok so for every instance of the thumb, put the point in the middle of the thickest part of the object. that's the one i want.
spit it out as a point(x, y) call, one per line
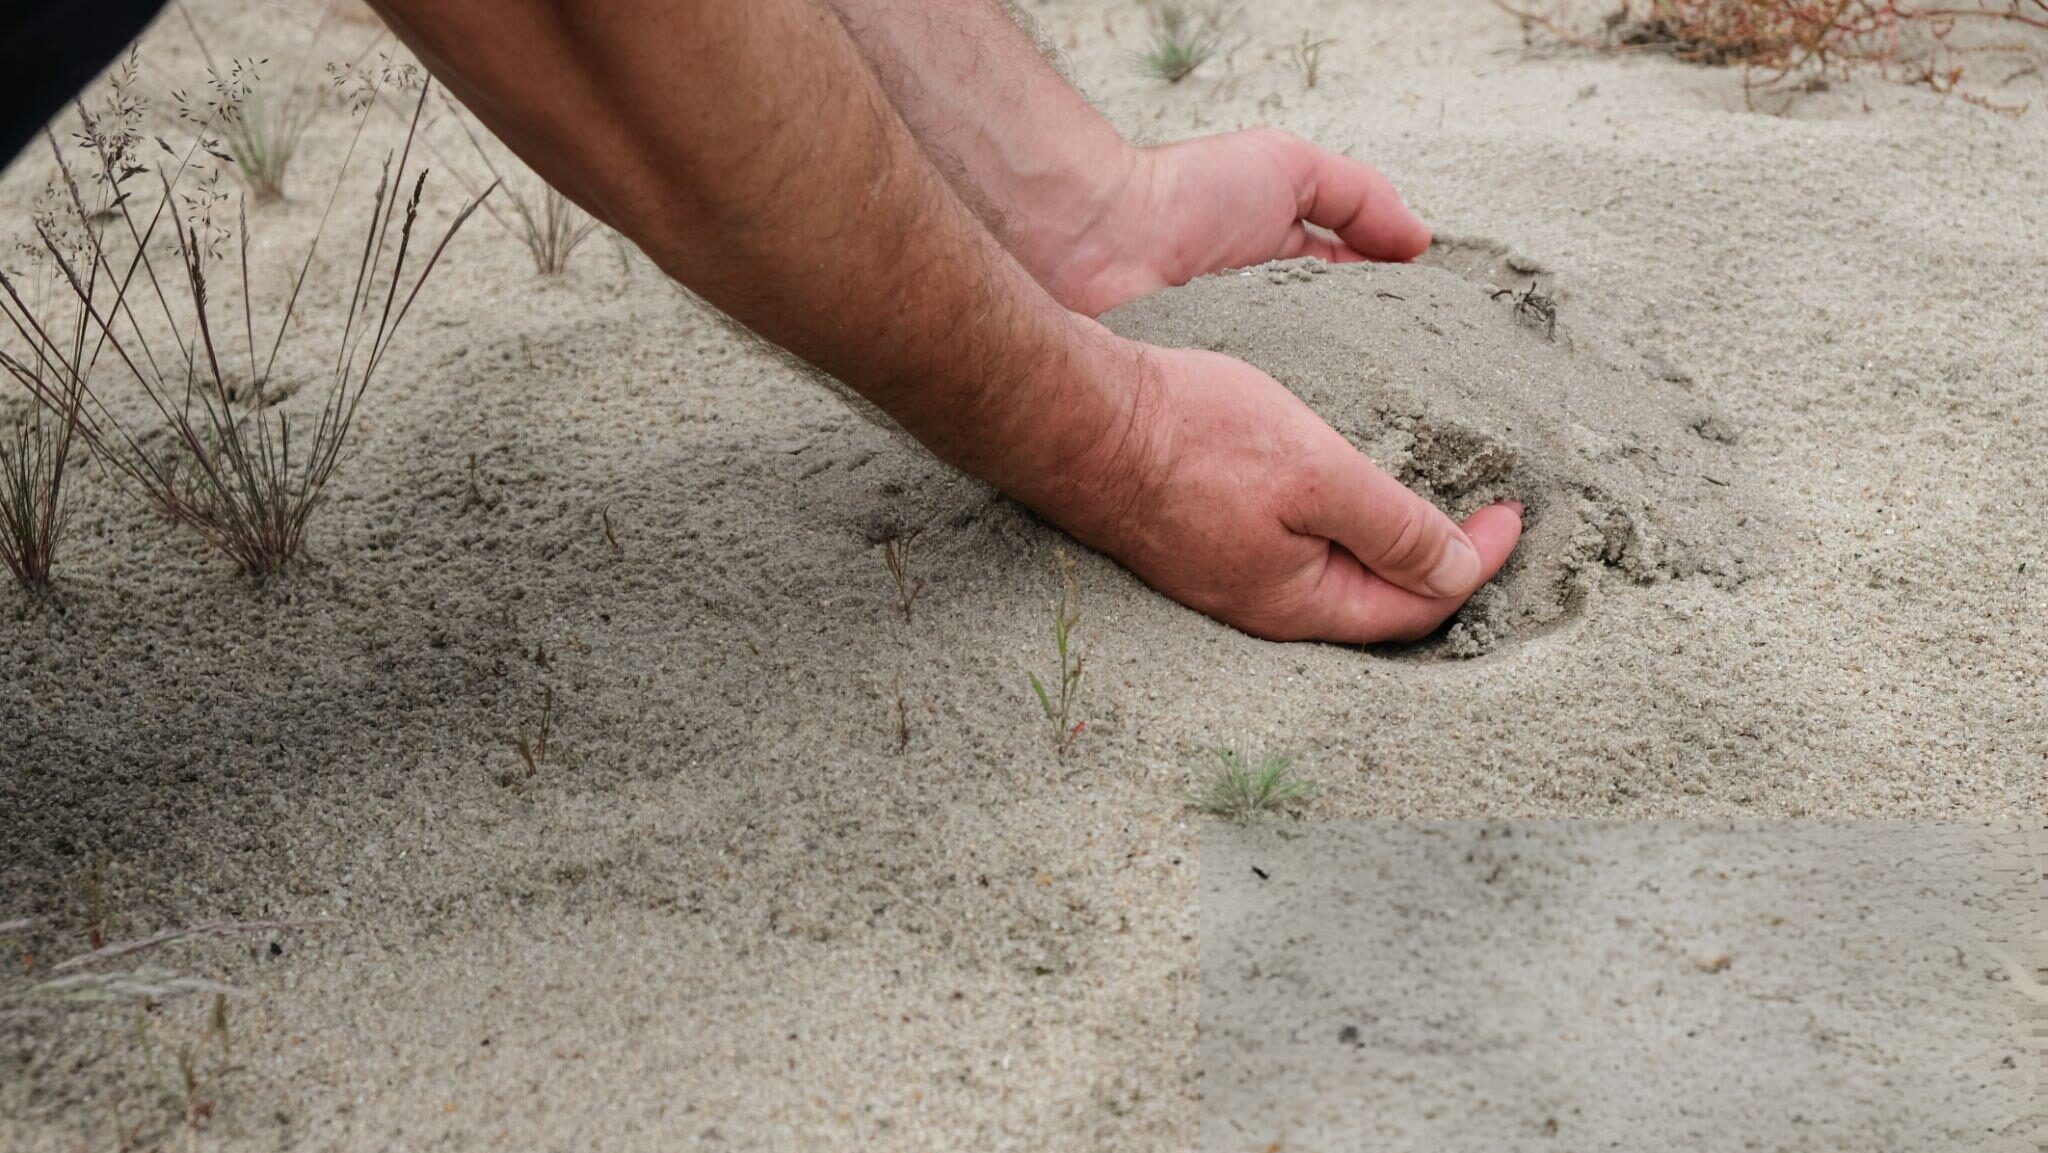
point(1400, 536)
point(1355, 607)
point(1352, 199)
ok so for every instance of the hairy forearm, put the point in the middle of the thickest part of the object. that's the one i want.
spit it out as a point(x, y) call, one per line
point(748, 150)
point(1015, 139)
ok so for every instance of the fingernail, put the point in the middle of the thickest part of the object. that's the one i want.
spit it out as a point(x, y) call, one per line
point(1513, 504)
point(1456, 573)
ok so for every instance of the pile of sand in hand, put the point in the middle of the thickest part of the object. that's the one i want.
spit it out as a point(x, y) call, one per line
point(1474, 382)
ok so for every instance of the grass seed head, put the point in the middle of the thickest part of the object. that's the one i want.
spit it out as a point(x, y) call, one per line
point(247, 478)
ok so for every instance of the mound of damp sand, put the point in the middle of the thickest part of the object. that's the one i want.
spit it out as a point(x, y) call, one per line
point(1473, 378)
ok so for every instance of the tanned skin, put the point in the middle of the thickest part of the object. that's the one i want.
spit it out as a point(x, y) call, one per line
point(907, 196)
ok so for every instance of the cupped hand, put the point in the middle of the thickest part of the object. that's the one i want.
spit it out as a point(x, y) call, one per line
point(1229, 495)
point(1184, 210)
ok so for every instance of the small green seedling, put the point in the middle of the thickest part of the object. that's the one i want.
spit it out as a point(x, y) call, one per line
point(217, 1024)
point(1239, 790)
point(1181, 42)
point(1066, 615)
point(184, 1089)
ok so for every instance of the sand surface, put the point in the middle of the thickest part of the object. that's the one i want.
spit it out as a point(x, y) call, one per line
point(1785, 451)
point(1716, 986)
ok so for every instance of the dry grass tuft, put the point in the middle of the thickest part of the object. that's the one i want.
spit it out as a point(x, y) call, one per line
point(1785, 47)
point(33, 459)
point(217, 454)
point(1183, 40)
point(266, 122)
point(547, 222)
point(181, 1061)
point(1243, 787)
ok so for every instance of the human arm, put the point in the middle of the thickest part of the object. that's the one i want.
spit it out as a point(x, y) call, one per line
point(797, 200)
point(1098, 221)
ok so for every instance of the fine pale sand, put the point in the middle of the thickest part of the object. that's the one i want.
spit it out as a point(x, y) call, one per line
point(1715, 986)
point(1783, 453)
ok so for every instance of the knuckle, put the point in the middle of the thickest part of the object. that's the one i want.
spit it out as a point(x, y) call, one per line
point(1276, 136)
point(1413, 545)
point(1279, 145)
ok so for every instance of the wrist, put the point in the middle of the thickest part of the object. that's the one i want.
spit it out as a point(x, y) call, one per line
point(1092, 447)
point(1061, 219)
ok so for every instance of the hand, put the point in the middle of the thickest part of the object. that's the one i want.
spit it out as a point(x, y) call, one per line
point(1170, 214)
point(1229, 495)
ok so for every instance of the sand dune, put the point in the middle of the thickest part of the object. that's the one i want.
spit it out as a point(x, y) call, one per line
point(1785, 455)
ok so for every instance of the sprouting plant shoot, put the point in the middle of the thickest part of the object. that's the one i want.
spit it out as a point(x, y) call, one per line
point(1059, 704)
point(896, 555)
point(92, 885)
point(534, 750)
point(1181, 42)
point(218, 453)
point(1239, 790)
point(902, 715)
point(1307, 55)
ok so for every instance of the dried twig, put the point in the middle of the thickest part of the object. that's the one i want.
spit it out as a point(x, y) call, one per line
point(1790, 46)
point(166, 936)
point(902, 716)
point(535, 751)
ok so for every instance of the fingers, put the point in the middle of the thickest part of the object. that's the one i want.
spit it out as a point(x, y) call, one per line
point(1349, 198)
point(1405, 539)
point(1354, 606)
point(1301, 242)
point(1494, 531)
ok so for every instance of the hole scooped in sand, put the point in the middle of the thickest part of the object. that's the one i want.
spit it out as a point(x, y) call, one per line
point(1489, 263)
point(1431, 372)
